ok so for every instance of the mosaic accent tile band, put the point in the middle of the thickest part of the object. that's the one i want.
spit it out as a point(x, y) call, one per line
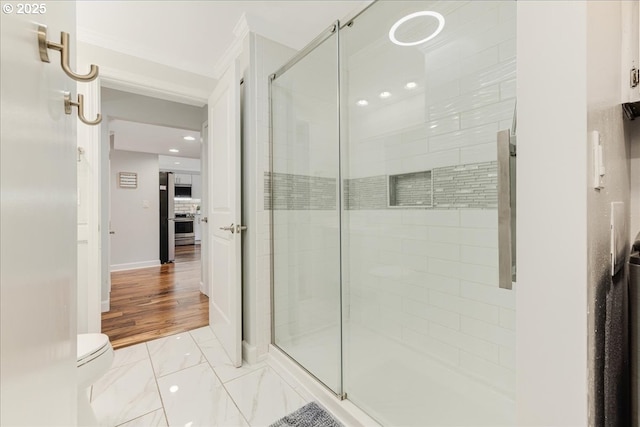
point(299, 192)
point(366, 193)
point(471, 186)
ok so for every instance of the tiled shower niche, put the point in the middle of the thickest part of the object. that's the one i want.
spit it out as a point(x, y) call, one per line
point(411, 190)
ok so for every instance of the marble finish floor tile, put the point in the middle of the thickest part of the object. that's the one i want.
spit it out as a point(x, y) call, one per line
point(224, 369)
point(125, 393)
point(173, 353)
point(129, 354)
point(195, 397)
point(263, 396)
point(188, 380)
point(152, 419)
point(202, 334)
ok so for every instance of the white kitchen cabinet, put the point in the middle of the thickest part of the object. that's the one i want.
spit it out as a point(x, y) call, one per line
point(182, 178)
point(630, 43)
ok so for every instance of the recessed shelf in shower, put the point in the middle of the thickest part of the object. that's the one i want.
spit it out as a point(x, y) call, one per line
point(411, 190)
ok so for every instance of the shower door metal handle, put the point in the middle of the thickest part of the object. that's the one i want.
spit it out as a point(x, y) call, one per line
point(506, 210)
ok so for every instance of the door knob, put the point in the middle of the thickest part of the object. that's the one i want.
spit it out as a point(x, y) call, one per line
point(204, 219)
point(240, 228)
point(230, 228)
point(112, 232)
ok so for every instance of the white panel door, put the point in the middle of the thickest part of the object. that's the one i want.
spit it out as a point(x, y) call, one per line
point(38, 221)
point(225, 316)
point(204, 210)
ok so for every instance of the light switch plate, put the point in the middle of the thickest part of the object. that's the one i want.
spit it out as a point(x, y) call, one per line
point(598, 160)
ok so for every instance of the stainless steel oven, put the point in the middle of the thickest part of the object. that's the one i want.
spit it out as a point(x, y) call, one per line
point(185, 234)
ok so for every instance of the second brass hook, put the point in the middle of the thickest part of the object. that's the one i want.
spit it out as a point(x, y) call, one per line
point(63, 47)
point(68, 103)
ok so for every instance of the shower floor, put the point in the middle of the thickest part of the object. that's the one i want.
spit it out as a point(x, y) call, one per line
point(399, 386)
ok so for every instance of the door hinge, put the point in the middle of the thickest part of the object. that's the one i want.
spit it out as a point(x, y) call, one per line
point(634, 77)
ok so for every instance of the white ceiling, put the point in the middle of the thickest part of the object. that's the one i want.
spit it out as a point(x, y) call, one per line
point(195, 35)
point(132, 136)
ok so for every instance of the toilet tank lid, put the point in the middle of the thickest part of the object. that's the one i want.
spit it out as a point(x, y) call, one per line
point(90, 343)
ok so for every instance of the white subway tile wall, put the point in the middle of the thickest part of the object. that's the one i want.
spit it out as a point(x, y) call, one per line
point(428, 277)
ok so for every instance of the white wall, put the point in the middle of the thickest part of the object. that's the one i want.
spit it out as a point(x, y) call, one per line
point(135, 243)
point(132, 74)
point(145, 109)
point(551, 317)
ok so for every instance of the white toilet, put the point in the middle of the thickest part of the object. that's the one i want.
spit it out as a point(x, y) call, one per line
point(95, 356)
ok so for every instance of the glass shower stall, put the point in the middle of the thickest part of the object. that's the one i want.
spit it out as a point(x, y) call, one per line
point(391, 211)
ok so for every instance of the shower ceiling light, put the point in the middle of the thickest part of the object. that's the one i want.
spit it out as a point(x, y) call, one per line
point(394, 28)
point(411, 85)
point(174, 150)
point(176, 163)
point(385, 94)
point(362, 102)
point(189, 138)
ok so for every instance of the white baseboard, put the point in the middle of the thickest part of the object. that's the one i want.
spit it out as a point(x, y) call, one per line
point(105, 306)
point(345, 411)
point(249, 353)
point(135, 265)
point(203, 290)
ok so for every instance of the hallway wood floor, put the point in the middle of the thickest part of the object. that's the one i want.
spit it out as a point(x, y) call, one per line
point(155, 302)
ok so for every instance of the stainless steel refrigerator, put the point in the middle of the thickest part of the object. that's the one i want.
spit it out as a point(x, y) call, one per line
point(167, 218)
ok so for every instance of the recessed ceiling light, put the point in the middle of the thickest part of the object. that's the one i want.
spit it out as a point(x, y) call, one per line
point(385, 94)
point(394, 28)
point(411, 85)
point(174, 388)
point(189, 138)
point(174, 150)
point(176, 163)
point(362, 102)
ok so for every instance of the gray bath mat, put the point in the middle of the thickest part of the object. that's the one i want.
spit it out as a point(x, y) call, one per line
point(310, 415)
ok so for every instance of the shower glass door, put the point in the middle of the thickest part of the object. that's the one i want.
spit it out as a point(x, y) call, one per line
point(305, 205)
point(385, 201)
point(429, 333)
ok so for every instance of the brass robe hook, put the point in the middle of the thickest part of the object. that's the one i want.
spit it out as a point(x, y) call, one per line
point(63, 47)
point(68, 103)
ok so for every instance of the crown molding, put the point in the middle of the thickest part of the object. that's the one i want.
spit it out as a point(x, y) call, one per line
point(240, 31)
